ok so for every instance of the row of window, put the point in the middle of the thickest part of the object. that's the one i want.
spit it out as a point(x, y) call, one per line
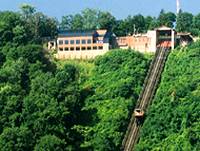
point(83, 41)
point(80, 48)
point(141, 40)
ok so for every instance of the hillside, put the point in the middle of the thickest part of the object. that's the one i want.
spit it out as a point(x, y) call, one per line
point(173, 120)
point(73, 105)
point(113, 90)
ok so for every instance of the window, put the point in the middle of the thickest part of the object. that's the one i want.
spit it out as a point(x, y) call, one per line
point(66, 48)
point(72, 48)
point(72, 42)
point(77, 41)
point(60, 42)
point(88, 48)
point(83, 41)
point(83, 48)
point(89, 41)
point(61, 49)
point(78, 48)
point(100, 47)
point(66, 42)
point(94, 48)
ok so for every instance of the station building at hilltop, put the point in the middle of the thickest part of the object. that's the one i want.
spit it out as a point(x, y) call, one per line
point(150, 41)
point(87, 44)
point(153, 39)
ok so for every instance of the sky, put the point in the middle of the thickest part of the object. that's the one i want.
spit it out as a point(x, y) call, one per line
point(118, 8)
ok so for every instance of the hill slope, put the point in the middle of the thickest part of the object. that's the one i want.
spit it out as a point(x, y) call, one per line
point(113, 89)
point(45, 106)
point(173, 120)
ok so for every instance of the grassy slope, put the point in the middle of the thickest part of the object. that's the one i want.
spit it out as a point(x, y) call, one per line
point(173, 121)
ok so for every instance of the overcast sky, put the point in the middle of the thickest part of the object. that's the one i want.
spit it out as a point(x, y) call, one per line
point(118, 8)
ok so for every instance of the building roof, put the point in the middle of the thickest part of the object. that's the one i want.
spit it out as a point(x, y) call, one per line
point(75, 33)
point(164, 28)
point(81, 33)
point(101, 31)
point(183, 34)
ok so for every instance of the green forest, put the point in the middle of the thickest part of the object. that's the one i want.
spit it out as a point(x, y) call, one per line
point(47, 104)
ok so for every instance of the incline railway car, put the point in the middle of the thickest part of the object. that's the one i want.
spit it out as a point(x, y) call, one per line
point(139, 115)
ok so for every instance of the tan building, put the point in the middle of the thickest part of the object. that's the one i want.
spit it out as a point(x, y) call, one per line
point(82, 44)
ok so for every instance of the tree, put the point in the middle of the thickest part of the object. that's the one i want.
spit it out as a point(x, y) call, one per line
point(148, 22)
point(2, 58)
point(37, 25)
point(196, 25)
point(44, 26)
point(77, 22)
point(120, 28)
point(8, 21)
point(27, 10)
point(90, 18)
point(166, 19)
point(130, 25)
point(66, 22)
point(50, 143)
point(134, 24)
point(139, 22)
point(20, 35)
point(184, 22)
point(15, 139)
point(106, 21)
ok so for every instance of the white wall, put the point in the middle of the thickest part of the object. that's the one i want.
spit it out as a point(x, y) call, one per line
point(86, 54)
point(152, 35)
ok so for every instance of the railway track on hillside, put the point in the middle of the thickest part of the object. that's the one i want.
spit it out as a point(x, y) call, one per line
point(144, 100)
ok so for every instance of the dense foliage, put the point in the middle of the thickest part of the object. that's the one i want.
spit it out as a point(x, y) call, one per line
point(46, 104)
point(173, 120)
point(27, 26)
point(39, 103)
point(114, 88)
point(96, 19)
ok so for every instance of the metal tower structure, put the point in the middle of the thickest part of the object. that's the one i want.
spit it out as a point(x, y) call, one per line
point(178, 6)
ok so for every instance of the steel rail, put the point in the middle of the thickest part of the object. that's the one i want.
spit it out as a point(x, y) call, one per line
point(149, 88)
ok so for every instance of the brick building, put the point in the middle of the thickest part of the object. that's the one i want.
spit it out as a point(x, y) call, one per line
point(149, 41)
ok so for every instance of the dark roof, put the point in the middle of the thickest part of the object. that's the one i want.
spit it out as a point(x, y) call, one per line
point(75, 33)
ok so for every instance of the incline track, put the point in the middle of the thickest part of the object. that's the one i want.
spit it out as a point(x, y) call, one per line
point(145, 97)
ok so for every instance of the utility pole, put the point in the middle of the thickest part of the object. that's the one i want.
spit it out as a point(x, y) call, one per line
point(177, 6)
point(134, 29)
